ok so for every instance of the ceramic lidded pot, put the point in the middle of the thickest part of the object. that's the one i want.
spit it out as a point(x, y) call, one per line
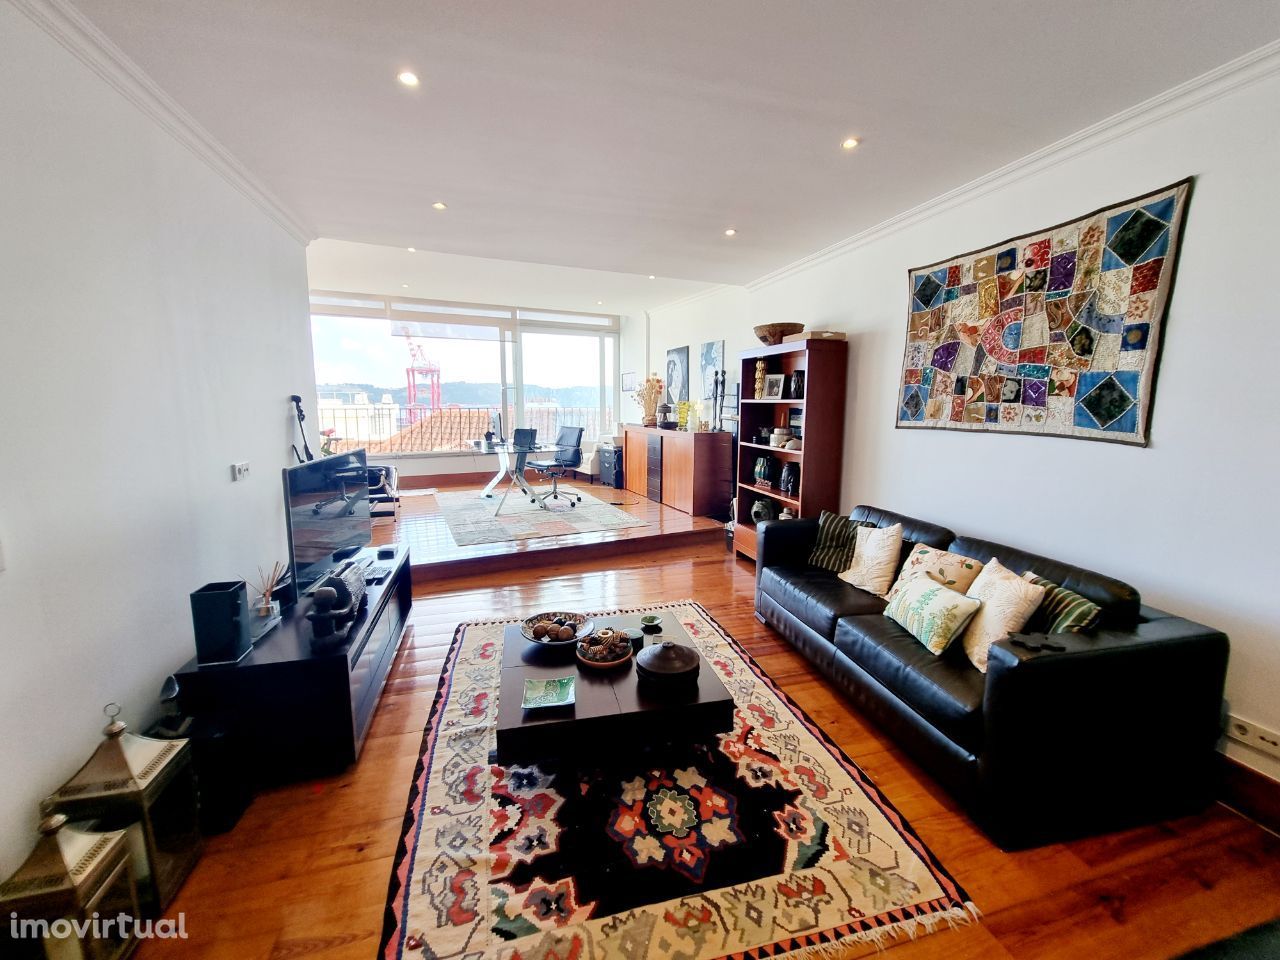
point(762, 510)
point(668, 661)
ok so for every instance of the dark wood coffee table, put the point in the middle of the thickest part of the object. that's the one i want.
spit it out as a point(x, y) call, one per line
point(614, 710)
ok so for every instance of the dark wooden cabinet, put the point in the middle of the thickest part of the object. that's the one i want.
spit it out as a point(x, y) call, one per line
point(291, 714)
point(692, 472)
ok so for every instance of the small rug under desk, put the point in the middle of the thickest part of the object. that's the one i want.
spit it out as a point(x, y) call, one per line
point(766, 842)
point(471, 519)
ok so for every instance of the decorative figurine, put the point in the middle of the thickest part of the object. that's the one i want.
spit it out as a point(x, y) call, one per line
point(760, 375)
point(647, 396)
point(795, 389)
point(762, 510)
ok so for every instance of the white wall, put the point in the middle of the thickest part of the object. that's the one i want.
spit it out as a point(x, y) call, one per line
point(153, 322)
point(1191, 520)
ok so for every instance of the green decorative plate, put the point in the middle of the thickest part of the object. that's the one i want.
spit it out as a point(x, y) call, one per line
point(557, 692)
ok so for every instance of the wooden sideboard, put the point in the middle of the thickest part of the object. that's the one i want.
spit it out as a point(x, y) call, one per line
point(692, 472)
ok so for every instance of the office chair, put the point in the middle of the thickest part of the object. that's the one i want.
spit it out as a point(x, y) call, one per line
point(523, 439)
point(384, 497)
point(568, 456)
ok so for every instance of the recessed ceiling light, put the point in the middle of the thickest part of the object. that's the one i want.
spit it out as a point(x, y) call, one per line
point(652, 277)
point(405, 285)
point(408, 78)
point(731, 232)
point(412, 249)
point(599, 303)
point(440, 205)
point(849, 143)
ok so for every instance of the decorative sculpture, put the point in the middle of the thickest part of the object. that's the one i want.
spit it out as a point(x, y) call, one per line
point(647, 396)
point(760, 375)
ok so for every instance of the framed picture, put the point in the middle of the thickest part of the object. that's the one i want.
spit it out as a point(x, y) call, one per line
point(629, 383)
point(773, 386)
point(710, 361)
point(677, 375)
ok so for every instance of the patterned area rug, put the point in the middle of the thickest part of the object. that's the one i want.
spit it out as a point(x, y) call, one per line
point(769, 842)
point(471, 520)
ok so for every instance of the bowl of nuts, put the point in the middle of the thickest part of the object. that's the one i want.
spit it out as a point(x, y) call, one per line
point(557, 628)
point(606, 648)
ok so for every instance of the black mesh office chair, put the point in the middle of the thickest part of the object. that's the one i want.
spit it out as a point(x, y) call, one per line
point(568, 456)
point(523, 439)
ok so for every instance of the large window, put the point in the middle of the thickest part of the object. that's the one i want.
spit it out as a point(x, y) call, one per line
point(400, 375)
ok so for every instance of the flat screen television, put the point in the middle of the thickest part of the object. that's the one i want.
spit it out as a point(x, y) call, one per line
point(327, 506)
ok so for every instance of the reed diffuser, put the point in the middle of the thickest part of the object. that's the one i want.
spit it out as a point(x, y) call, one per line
point(266, 585)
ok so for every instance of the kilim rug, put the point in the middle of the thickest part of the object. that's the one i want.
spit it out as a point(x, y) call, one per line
point(470, 517)
point(768, 842)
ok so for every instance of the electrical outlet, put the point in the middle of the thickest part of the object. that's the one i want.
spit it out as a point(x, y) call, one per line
point(1252, 735)
point(240, 471)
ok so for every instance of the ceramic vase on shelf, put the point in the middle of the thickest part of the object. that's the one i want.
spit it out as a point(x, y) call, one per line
point(789, 479)
point(762, 510)
point(795, 386)
point(763, 472)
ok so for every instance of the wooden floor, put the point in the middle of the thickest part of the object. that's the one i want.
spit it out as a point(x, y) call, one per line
point(434, 553)
point(304, 874)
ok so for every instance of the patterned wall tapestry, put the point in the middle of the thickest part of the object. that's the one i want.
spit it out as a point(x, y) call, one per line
point(1055, 333)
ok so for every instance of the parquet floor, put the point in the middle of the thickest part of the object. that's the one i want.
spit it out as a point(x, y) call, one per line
point(304, 874)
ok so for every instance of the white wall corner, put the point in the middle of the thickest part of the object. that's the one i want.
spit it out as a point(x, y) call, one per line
point(91, 46)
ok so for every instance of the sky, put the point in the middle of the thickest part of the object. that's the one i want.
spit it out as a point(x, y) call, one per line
point(360, 350)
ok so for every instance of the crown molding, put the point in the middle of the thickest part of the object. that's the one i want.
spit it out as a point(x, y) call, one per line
point(1218, 82)
point(693, 298)
point(92, 47)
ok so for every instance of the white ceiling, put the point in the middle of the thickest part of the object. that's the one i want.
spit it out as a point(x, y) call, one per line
point(626, 136)
point(368, 268)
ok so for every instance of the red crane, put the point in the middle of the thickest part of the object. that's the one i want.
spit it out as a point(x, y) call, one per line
point(422, 382)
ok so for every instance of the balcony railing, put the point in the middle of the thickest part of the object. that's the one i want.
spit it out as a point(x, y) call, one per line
point(388, 428)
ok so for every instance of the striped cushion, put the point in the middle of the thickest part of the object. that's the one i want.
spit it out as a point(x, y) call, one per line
point(837, 537)
point(1061, 610)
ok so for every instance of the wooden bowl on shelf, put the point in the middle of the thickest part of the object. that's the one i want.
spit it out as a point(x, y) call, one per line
point(772, 333)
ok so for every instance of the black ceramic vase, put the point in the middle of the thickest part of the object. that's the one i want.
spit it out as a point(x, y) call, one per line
point(789, 481)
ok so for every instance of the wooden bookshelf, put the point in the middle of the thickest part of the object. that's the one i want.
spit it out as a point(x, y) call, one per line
point(825, 363)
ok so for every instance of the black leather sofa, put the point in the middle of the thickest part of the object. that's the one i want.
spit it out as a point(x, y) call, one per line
point(1118, 728)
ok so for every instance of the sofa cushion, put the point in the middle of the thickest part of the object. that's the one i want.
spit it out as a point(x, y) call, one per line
point(1120, 602)
point(932, 613)
point(816, 597)
point(1061, 610)
point(876, 560)
point(945, 690)
point(837, 539)
point(1007, 604)
point(952, 570)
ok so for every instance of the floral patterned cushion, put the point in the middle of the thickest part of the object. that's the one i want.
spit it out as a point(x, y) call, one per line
point(950, 569)
point(930, 612)
point(1008, 602)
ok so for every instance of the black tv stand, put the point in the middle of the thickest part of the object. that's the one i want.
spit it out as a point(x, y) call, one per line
point(292, 714)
